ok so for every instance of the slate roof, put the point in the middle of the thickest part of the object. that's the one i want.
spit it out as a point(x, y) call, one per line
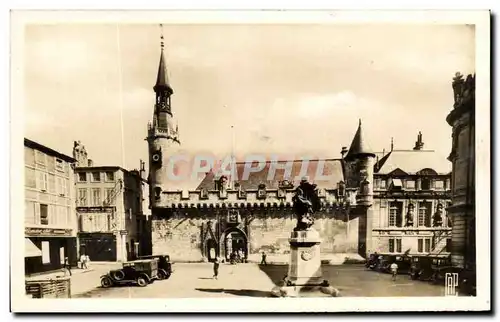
point(332, 168)
point(412, 161)
point(162, 77)
point(359, 146)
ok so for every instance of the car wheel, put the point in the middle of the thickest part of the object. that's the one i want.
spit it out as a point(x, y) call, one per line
point(167, 275)
point(106, 282)
point(141, 281)
point(161, 274)
point(118, 275)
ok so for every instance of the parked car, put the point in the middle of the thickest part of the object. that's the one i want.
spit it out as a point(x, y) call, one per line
point(164, 265)
point(140, 272)
point(403, 261)
point(373, 261)
point(441, 265)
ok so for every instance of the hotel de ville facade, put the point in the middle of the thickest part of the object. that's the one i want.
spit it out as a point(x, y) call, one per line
point(389, 202)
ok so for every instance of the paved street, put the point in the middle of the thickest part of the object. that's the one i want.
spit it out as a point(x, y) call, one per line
point(195, 280)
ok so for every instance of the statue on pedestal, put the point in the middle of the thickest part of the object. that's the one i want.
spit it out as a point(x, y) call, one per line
point(305, 203)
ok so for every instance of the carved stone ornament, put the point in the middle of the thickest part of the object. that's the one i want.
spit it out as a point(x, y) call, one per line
point(463, 90)
point(307, 255)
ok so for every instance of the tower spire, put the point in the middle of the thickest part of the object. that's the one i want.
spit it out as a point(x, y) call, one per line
point(162, 83)
point(359, 147)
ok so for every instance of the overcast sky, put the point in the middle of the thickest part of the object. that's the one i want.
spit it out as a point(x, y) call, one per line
point(294, 89)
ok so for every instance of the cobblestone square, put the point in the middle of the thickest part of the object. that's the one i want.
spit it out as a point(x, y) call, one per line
point(195, 281)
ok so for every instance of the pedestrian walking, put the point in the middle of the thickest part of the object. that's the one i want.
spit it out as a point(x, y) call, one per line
point(394, 270)
point(263, 261)
point(216, 267)
point(67, 266)
point(87, 260)
point(83, 261)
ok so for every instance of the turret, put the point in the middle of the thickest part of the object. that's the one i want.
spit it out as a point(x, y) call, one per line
point(361, 162)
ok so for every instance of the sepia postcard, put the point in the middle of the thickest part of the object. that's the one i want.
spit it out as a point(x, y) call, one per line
point(250, 161)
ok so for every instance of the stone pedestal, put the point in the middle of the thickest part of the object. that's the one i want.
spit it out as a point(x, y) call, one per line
point(304, 270)
point(305, 262)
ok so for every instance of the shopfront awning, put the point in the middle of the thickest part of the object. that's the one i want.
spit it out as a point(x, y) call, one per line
point(30, 249)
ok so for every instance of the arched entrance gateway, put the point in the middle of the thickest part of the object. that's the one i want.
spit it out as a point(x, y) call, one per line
point(233, 240)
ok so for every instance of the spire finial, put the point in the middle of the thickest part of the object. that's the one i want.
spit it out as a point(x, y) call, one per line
point(392, 143)
point(161, 37)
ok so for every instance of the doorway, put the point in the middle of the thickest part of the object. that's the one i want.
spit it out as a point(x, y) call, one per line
point(235, 242)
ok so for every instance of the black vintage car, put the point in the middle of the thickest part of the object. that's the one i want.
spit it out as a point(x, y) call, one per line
point(440, 266)
point(430, 267)
point(164, 265)
point(384, 262)
point(140, 272)
point(372, 261)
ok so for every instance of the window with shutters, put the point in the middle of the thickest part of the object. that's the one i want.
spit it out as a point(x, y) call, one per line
point(398, 245)
point(427, 245)
point(420, 247)
point(30, 177)
point(29, 212)
point(43, 181)
point(109, 197)
point(96, 197)
point(52, 184)
point(44, 214)
point(82, 197)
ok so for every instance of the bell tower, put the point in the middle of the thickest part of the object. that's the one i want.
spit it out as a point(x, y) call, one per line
point(163, 136)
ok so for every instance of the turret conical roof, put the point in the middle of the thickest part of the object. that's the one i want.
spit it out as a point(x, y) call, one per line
point(162, 82)
point(359, 146)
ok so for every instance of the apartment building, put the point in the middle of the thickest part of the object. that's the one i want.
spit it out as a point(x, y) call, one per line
point(50, 218)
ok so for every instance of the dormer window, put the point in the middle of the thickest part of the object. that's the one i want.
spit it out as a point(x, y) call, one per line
point(397, 184)
point(425, 184)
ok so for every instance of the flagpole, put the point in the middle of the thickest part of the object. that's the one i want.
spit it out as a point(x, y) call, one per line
point(120, 92)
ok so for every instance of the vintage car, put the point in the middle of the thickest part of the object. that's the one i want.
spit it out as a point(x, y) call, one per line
point(421, 268)
point(372, 261)
point(164, 265)
point(441, 265)
point(403, 261)
point(140, 272)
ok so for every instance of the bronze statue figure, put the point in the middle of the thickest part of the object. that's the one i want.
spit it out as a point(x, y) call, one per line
point(305, 203)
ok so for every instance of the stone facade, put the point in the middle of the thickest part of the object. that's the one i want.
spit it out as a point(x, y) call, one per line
point(193, 224)
point(462, 157)
point(113, 221)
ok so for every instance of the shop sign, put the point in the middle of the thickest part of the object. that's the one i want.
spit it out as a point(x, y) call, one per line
point(35, 232)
